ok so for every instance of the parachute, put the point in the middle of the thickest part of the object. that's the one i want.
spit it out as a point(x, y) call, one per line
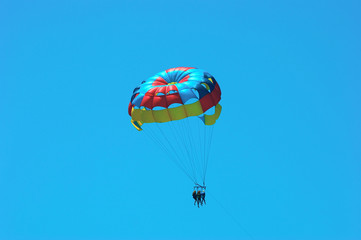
point(177, 109)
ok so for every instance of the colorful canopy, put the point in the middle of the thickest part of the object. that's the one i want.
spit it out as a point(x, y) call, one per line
point(175, 94)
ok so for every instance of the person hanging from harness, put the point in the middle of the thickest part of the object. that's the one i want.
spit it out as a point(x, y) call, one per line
point(203, 197)
point(194, 194)
point(198, 197)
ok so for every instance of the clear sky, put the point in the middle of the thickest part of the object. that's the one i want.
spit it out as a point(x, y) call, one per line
point(287, 147)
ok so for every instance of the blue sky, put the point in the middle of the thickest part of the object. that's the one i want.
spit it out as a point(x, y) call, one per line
point(286, 149)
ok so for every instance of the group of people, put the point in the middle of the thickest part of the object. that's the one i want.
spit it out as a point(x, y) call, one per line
point(199, 196)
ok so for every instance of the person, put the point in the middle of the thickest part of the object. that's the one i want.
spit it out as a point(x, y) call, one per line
point(194, 194)
point(203, 197)
point(198, 197)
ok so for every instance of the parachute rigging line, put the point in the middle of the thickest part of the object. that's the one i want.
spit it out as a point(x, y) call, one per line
point(232, 216)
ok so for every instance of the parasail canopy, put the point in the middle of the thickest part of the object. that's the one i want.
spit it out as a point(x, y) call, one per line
point(169, 106)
